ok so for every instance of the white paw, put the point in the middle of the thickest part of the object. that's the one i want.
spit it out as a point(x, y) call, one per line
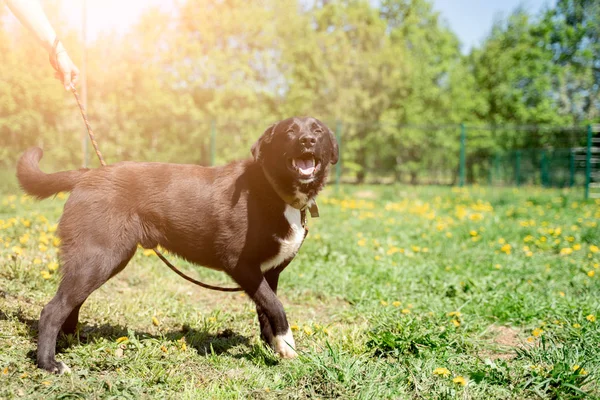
point(284, 345)
point(63, 368)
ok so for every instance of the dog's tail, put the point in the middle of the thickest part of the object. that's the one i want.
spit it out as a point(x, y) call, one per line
point(39, 184)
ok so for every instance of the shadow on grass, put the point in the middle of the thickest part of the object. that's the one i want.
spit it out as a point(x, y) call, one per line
point(204, 342)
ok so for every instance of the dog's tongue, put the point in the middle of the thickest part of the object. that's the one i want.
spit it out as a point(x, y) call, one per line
point(305, 166)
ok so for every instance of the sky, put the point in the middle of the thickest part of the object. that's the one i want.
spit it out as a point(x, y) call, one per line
point(471, 20)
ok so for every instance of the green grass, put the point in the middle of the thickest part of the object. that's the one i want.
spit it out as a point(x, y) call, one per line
point(398, 292)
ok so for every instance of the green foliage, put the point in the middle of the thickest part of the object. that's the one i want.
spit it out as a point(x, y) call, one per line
point(392, 72)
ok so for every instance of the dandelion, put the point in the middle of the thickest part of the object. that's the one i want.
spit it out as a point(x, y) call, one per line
point(506, 248)
point(473, 233)
point(122, 339)
point(308, 330)
point(5, 371)
point(362, 242)
point(45, 274)
point(594, 249)
point(405, 311)
point(454, 314)
point(591, 318)
point(576, 325)
point(384, 303)
point(577, 247)
point(42, 247)
point(591, 273)
point(441, 372)
point(17, 250)
point(163, 349)
point(561, 294)
point(566, 251)
point(579, 370)
point(460, 380)
point(448, 234)
point(396, 304)
point(24, 238)
point(294, 327)
point(498, 266)
point(53, 266)
point(37, 261)
point(155, 321)
point(537, 332)
point(456, 323)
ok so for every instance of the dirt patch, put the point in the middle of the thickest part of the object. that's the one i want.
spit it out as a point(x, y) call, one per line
point(504, 341)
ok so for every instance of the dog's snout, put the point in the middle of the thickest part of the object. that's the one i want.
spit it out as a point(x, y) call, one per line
point(308, 141)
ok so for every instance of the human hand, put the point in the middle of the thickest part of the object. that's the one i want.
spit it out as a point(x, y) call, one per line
point(66, 70)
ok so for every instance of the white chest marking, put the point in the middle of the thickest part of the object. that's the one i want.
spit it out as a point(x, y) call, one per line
point(288, 247)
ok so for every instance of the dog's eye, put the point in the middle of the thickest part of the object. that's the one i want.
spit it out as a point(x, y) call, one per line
point(318, 131)
point(290, 132)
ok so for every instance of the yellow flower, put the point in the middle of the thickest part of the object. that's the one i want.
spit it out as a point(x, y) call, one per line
point(56, 242)
point(448, 234)
point(163, 349)
point(45, 274)
point(17, 250)
point(594, 249)
point(591, 273)
point(591, 318)
point(576, 326)
point(405, 311)
point(441, 371)
point(53, 266)
point(581, 371)
point(506, 248)
point(42, 247)
point(537, 332)
point(24, 239)
point(155, 321)
point(577, 247)
point(562, 294)
point(460, 380)
point(294, 327)
point(384, 303)
point(52, 228)
point(5, 371)
point(501, 241)
point(362, 242)
point(473, 233)
point(308, 330)
point(396, 304)
point(37, 261)
point(148, 252)
point(566, 251)
point(122, 339)
point(456, 323)
point(498, 266)
point(454, 314)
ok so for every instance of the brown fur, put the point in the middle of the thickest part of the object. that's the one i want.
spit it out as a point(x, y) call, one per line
point(228, 218)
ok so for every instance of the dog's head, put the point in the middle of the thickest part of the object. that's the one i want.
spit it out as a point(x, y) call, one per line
point(296, 154)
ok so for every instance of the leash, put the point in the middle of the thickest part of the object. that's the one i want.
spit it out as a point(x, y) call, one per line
point(103, 163)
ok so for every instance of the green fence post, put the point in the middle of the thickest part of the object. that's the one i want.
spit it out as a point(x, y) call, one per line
point(518, 167)
point(571, 168)
point(213, 142)
point(338, 166)
point(463, 155)
point(544, 169)
point(588, 162)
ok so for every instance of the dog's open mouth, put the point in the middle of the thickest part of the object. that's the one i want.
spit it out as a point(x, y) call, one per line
point(305, 166)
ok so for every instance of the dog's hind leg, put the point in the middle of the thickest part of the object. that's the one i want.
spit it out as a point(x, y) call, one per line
point(83, 273)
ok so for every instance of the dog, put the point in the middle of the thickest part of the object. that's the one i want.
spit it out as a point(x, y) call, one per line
point(245, 218)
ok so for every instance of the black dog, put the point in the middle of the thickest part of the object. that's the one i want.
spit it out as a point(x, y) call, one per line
point(245, 218)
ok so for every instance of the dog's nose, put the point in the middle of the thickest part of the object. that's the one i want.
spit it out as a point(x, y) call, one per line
point(308, 141)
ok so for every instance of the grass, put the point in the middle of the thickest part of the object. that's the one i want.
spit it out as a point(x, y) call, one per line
point(399, 292)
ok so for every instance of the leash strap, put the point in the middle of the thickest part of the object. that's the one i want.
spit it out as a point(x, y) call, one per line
point(158, 253)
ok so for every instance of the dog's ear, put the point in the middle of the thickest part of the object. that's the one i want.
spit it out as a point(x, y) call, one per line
point(264, 139)
point(335, 151)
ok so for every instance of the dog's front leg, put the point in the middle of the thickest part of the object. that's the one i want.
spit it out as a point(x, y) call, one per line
point(275, 329)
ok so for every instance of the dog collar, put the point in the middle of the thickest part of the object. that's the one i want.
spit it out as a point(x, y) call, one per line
point(311, 205)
